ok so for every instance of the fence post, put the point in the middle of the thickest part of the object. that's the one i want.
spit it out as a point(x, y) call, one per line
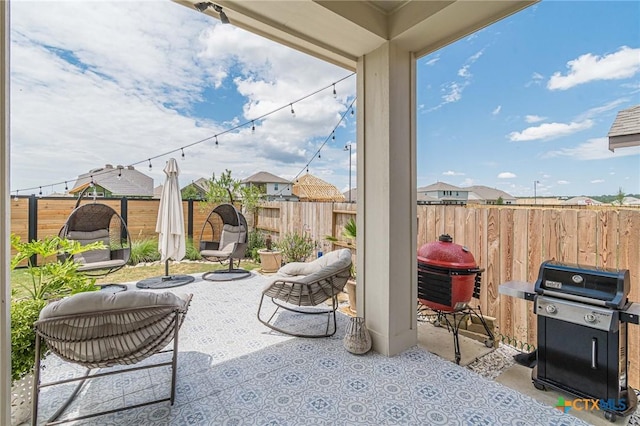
point(124, 214)
point(190, 218)
point(33, 224)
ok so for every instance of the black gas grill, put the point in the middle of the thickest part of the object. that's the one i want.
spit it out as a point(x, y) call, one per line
point(582, 316)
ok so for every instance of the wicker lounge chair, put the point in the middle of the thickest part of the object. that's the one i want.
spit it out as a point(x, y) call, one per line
point(98, 222)
point(101, 329)
point(301, 287)
point(224, 238)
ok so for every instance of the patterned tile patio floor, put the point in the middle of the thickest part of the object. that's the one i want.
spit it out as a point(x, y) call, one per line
point(235, 371)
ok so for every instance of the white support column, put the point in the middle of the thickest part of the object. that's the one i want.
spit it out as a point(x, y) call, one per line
point(5, 223)
point(387, 271)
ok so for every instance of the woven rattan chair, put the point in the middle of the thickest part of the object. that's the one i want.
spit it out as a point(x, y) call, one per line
point(224, 238)
point(94, 222)
point(299, 286)
point(101, 329)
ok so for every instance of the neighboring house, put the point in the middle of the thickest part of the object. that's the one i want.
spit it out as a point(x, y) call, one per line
point(351, 196)
point(484, 195)
point(311, 188)
point(119, 181)
point(581, 201)
point(274, 187)
point(442, 193)
point(625, 130)
point(196, 190)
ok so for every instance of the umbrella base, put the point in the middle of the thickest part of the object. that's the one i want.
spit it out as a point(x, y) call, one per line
point(226, 275)
point(166, 281)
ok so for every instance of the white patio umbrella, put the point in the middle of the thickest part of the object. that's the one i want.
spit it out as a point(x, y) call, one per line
point(170, 227)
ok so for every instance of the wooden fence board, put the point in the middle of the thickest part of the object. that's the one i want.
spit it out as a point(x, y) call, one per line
point(607, 238)
point(534, 259)
point(519, 273)
point(628, 258)
point(587, 237)
point(505, 240)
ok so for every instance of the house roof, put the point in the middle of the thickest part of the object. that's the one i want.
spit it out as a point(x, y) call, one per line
point(625, 130)
point(119, 180)
point(440, 186)
point(264, 177)
point(581, 201)
point(487, 193)
point(311, 188)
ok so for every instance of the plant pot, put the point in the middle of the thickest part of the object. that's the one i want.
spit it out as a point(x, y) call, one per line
point(351, 292)
point(270, 260)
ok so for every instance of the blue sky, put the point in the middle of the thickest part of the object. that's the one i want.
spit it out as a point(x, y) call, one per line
point(530, 98)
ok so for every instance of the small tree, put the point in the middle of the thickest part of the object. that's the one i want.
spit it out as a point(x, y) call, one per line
point(619, 196)
point(225, 189)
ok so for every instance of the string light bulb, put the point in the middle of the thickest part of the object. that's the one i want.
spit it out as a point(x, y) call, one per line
point(150, 166)
point(91, 184)
point(40, 192)
point(335, 94)
point(119, 172)
point(253, 127)
point(66, 187)
point(182, 149)
point(352, 113)
point(16, 198)
point(319, 155)
point(333, 135)
point(217, 141)
point(293, 113)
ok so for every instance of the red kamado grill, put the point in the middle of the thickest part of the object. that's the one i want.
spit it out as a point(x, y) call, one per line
point(448, 276)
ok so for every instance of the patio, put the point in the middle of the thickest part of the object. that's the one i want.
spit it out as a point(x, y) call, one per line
point(233, 370)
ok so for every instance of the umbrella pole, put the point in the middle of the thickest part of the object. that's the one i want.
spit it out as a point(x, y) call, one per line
point(166, 268)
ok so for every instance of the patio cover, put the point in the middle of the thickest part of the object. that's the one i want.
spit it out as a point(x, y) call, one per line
point(625, 130)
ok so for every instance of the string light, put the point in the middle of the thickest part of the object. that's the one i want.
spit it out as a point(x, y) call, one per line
point(119, 172)
point(91, 184)
point(239, 126)
point(352, 113)
point(182, 149)
point(319, 155)
point(217, 141)
point(40, 193)
point(293, 113)
point(66, 187)
point(333, 135)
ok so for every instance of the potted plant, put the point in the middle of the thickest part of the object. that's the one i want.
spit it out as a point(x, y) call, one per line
point(349, 232)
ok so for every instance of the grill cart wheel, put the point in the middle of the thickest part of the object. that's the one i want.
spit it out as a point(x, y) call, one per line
point(488, 343)
point(610, 416)
point(539, 386)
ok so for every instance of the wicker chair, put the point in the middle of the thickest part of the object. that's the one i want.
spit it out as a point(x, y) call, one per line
point(98, 222)
point(224, 238)
point(301, 287)
point(101, 329)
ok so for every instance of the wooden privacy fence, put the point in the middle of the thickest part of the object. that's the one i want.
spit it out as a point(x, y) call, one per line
point(510, 242)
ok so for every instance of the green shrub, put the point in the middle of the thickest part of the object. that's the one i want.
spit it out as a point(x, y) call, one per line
point(144, 251)
point(23, 314)
point(192, 252)
point(56, 277)
point(296, 247)
point(255, 242)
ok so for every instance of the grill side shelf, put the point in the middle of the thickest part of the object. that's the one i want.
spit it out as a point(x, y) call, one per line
point(631, 314)
point(518, 289)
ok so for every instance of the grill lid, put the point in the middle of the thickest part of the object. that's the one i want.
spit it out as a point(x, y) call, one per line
point(595, 285)
point(445, 254)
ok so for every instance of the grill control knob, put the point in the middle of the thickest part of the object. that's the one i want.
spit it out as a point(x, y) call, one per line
point(551, 309)
point(590, 318)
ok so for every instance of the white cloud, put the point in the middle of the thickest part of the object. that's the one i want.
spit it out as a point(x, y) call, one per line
point(113, 82)
point(433, 60)
point(452, 173)
point(506, 175)
point(597, 181)
point(464, 72)
point(593, 149)
point(594, 112)
point(549, 130)
point(563, 182)
point(624, 63)
point(497, 110)
point(536, 79)
point(534, 118)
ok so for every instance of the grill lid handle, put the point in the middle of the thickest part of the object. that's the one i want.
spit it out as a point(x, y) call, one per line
point(445, 238)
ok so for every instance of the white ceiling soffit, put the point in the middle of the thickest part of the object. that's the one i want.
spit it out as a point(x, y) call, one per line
point(342, 31)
